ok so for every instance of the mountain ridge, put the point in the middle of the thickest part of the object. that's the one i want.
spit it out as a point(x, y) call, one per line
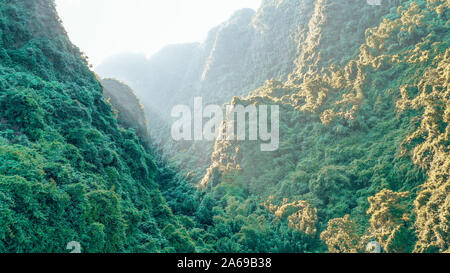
point(363, 160)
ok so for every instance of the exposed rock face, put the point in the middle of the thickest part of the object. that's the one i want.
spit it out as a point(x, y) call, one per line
point(283, 37)
point(237, 57)
point(283, 40)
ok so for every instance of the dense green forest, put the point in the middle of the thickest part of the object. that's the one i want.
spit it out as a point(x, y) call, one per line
point(364, 152)
point(68, 171)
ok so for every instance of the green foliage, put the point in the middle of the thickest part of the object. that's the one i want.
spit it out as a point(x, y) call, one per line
point(341, 236)
point(68, 172)
point(355, 125)
point(364, 136)
point(389, 221)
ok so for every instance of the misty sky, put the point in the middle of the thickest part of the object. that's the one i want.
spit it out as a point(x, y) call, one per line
point(102, 28)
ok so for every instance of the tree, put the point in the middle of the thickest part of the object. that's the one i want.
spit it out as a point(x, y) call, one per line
point(342, 236)
point(389, 220)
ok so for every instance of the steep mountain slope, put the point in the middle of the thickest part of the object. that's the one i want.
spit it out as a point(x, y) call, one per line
point(363, 96)
point(364, 142)
point(68, 171)
point(215, 68)
point(364, 155)
point(237, 57)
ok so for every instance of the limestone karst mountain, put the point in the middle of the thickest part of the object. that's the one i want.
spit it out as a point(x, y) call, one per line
point(350, 79)
point(281, 40)
point(363, 159)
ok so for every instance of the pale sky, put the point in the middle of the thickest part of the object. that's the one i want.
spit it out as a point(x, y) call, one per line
point(101, 28)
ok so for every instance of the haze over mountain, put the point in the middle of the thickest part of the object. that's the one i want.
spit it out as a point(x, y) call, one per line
point(142, 25)
point(237, 57)
point(363, 158)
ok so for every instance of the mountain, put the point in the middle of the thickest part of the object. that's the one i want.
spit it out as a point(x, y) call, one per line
point(68, 171)
point(239, 56)
point(364, 137)
point(236, 57)
point(362, 163)
point(364, 152)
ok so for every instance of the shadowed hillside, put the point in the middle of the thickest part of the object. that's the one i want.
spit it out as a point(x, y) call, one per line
point(129, 109)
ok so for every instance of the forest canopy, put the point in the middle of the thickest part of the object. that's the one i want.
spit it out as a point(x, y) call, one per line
point(363, 161)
